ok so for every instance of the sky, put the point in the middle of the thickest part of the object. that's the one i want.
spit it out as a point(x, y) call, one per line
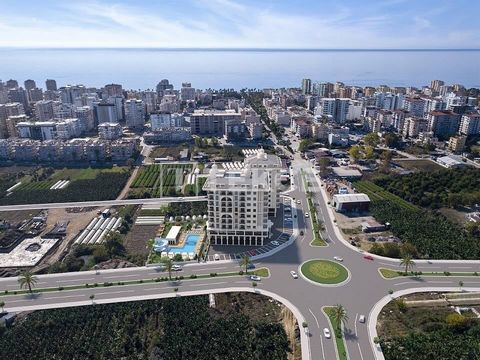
point(306, 24)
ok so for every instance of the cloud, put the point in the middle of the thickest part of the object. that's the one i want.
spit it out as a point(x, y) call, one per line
point(226, 23)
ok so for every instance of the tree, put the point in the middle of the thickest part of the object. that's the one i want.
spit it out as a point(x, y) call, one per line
point(391, 140)
point(340, 316)
point(455, 319)
point(168, 267)
point(369, 152)
point(371, 139)
point(114, 244)
point(305, 144)
point(323, 164)
point(26, 278)
point(386, 157)
point(2, 305)
point(245, 262)
point(407, 261)
point(355, 153)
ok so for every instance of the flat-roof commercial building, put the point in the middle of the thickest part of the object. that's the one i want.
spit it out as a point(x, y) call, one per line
point(351, 202)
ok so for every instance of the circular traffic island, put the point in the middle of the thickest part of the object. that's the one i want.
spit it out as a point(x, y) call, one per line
point(324, 272)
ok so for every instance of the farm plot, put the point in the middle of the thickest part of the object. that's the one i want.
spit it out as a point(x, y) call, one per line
point(161, 179)
point(377, 193)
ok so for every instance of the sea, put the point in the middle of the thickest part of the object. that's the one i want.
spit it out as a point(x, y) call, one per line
point(239, 68)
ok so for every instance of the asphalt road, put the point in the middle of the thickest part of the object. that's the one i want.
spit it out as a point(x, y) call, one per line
point(64, 205)
point(364, 289)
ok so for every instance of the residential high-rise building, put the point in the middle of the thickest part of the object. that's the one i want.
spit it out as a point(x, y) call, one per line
point(238, 206)
point(51, 85)
point(104, 113)
point(414, 105)
point(470, 124)
point(69, 93)
point(162, 86)
point(187, 92)
point(85, 115)
point(113, 90)
point(456, 144)
point(436, 84)
point(160, 121)
point(336, 108)
point(35, 95)
point(135, 113)
point(110, 131)
point(44, 110)
point(29, 84)
point(414, 126)
point(443, 123)
point(14, 109)
point(306, 86)
point(11, 84)
point(211, 122)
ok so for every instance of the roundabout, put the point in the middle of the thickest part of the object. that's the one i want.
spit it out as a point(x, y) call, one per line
point(324, 272)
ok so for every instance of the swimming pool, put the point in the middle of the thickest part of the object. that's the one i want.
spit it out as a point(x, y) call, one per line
point(188, 246)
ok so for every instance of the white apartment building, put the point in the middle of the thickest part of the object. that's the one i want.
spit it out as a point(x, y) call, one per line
point(238, 207)
point(470, 124)
point(40, 130)
point(68, 128)
point(160, 121)
point(44, 110)
point(135, 113)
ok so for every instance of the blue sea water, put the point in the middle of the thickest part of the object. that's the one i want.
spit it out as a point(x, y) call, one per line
point(143, 68)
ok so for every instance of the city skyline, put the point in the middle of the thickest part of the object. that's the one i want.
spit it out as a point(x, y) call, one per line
point(394, 24)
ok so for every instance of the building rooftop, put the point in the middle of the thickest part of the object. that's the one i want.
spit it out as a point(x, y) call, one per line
point(351, 198)
point(346, 172)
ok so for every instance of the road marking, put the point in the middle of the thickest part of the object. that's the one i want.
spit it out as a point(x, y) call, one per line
point(360, 351)
point(460, 267)
point(316, 320)
point(116, 292)
point(388, 264)
point(440, 282)
point(61, 297)
point(217, 283)
point(356, 317)
point(403, 283)
point(323, 350)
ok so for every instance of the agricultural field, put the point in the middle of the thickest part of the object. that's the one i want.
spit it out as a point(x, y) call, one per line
point(177, 328)
point(173, 151)
point(420, 165)
point(376, 193)
point(161, 179)
point(427, 332)
point(85, 184)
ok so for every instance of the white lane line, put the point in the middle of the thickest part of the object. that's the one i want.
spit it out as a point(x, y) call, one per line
point(323, 350)
point(115, 292)
point(242, 282)
point(217, 283)
point(356, 317)
point(440, 282)
point(316, 320)
point(61, 297)
point(360, 351)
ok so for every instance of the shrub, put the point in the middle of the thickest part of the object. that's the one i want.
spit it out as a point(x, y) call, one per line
point(60, 288)
point(240, 272)
point(447, 273)
point(193, 276)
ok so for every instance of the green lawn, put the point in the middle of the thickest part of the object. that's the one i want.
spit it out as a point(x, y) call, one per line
point(318, 241)
point(324, 271)
point(339, 342)
point(262, 272)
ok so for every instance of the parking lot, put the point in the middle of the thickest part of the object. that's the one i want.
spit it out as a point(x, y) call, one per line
point(281, 231)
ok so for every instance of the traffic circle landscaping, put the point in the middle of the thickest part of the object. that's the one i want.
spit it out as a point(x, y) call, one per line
point(324, 272)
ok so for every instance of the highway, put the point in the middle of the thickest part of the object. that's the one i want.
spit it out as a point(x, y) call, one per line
point(64, 205)
point(363, 290)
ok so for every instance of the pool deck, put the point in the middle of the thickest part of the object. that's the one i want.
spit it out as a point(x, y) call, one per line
point(181, 243)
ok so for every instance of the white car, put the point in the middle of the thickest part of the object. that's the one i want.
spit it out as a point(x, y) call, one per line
point(216, 257)
point(306, 215)
point(338, 258)
point(294, 274)
point(326, 333)
point(255, 278)
point(275, 243)
point(362, 319)
point(176, 267)
point(299, 202)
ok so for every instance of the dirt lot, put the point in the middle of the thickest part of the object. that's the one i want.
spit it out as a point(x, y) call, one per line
point(421, 165)
point(15, 217)
point(136, 239)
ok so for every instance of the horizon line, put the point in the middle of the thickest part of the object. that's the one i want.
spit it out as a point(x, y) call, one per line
point(234, 49)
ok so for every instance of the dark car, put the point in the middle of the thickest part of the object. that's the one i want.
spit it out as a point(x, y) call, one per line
point(301, 233)
point(368, 257)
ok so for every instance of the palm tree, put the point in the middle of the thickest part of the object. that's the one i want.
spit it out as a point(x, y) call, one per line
point(26, 278)
point(408, 262)
point(168, 266)
point(245, 262)
point(2, 304)
point(340, 316)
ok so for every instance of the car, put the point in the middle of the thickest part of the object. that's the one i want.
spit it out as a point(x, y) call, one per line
point(306, 215)
point(362, 319)
point(181, 198)
point(275, 243)
point(302, 233)
point(368, 257)
point(299, 202)
point(250, 266)
point(177, 267)
point(255, 278)
point(294, 274)
point(216, 257)
point(338, 258)
point(326, 333)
